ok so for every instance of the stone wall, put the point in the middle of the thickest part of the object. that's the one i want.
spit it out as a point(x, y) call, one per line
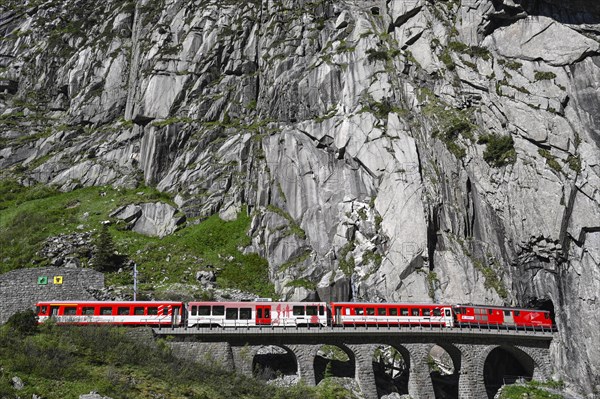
point(21, 289)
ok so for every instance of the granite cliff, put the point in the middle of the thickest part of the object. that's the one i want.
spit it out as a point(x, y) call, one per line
point(388, 150)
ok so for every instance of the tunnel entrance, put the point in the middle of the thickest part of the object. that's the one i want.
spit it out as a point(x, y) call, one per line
point(444, 369)
point(391, 369)
point(506, 365)
point(273, 362)
point(333, 361)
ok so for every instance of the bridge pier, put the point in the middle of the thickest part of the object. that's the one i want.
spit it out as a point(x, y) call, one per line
point(305, 358)
point(419, 380)
point(363, 368)
point(243, 356)
point(470, 380)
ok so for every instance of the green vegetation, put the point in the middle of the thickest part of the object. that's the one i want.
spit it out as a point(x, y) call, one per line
point(499, 151)
point(473, 51)
point(302, 283)
point(30, 215)
point(550, 159)
point(65, 361)
point(347, 263)
point(492, 281)
point(514, 65)
point(531, 390)
point(539, 75)
point(105, 259)
point(454, 123)
point(574, 162)
point(293, 227)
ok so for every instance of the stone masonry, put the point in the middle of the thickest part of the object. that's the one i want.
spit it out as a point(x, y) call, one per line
point(21, 289)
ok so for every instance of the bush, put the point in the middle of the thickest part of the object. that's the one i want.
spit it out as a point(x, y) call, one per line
point(499, 151)
point(23, 323)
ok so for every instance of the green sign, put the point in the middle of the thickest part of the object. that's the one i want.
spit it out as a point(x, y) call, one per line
point(42, 280)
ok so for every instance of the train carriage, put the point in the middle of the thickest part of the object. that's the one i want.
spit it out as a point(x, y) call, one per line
point(152, 313)
point(357, 313)
point(502, 316)
point(233, 314)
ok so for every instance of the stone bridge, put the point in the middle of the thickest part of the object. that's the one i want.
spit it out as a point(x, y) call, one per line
point(469, 350)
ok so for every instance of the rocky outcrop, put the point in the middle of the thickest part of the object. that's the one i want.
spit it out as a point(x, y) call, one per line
point(150, 219)
point(401, 150)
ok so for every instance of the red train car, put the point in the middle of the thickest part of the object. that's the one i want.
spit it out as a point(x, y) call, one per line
point(502, 316)
point(151, 313)
point(357, 313)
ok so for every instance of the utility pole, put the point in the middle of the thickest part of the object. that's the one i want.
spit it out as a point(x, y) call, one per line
point(134, 281)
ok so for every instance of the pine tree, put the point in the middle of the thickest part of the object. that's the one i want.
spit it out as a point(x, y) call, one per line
point(105, 259)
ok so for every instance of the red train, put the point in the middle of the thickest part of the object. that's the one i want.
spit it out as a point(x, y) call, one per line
point(284, 314)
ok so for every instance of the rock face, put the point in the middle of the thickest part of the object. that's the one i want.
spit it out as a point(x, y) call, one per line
point(400, 150)
point(151, 219)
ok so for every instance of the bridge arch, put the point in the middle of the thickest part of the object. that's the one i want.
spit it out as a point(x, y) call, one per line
point(504, 364)
point(391, 369)
point(334, 360)
point(274, 361)
point(445, 361)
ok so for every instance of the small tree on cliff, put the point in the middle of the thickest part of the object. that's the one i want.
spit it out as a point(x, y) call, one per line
point(105, 259)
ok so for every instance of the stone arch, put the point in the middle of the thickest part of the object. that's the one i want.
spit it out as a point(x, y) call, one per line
point(445, 377)
point(391, 369)
point(337, 360)
point(503, 364)
point(270, 362)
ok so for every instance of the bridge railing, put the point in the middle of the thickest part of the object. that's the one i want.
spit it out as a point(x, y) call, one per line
point(386, 325)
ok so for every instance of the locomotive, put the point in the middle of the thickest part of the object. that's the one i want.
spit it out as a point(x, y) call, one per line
point(289, 314)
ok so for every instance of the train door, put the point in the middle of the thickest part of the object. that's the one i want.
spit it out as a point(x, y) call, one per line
point(54, 311)
point(508, 318)
point(338, 315)
point(175, 316)
point(263, 315)
point(447, 317)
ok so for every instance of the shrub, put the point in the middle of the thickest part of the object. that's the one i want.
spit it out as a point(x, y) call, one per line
point(499, 151)
point(23, 323)
point(539, 75)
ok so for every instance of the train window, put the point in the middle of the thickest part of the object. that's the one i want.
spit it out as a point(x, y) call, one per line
point(165, 311)
point(70, 311)
point(437, 312)
point(517, 313)
point(507, 313)
point(43, 309)
point(321, 310)
point(259, 313)
point(458, 310)
point(403, 312)
point(123, 311)
point(138, 311)
point(381, 312)
point(298, 310)
point(347, 310)
point(218, 310)
point(359, 311)
point(105, 311)
point(203, 310)
point(447, 312)
point(152, 311)
point(311, 310)
point(267, 313)
point(393, 311)
point(490, 311)
point(194, 310)
point(87, 311)
point(231, 314)
point(426, 312)
point(245, 313)
point(414, 312)
point(370, 311)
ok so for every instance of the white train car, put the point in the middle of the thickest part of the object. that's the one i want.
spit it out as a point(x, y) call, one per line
point(253, 314)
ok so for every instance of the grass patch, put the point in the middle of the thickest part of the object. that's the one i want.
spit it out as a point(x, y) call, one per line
point(531, 390)
point(539, 75)
point(30, 215)
point(66, 361)
point(550, 159)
